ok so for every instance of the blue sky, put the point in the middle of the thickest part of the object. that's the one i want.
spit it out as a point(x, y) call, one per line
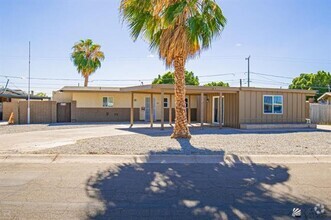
point(283, 37)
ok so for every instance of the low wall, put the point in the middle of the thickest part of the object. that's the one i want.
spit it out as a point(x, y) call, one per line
point(102, 114)
point(276, 126)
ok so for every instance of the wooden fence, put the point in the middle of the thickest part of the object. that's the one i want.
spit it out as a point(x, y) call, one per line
point(41, 111)
point(320, 114)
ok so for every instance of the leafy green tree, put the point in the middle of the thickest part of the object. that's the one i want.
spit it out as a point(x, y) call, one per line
point(41, 94)
point(178, 30)
point(220, 83)
point(313, 81)
point(169, 78)
point(87, 57)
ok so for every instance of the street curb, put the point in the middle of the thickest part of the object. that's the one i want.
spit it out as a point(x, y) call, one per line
point(164, 159)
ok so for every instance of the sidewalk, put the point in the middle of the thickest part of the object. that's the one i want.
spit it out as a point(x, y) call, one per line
point(164, 159)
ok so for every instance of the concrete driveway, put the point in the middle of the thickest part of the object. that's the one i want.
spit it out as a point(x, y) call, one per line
point(35, 140)
point(79, 190)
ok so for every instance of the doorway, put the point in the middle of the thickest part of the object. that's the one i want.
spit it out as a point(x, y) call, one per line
point(63, 112)
point(148, 110)
point(215, 113)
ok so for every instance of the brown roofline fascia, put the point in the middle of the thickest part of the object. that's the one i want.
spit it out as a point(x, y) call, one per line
point(205, 89)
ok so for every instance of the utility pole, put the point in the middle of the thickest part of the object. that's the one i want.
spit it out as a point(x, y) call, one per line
point(248, 73)
point(241, 83)
point(28, 120)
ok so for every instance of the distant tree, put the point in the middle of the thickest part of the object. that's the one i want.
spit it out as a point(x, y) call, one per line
point(169, 78)
point(87, 57)
point(220, 83)
point(313, 81)
point(41, 94)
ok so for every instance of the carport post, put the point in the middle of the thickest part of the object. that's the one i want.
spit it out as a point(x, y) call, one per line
point(162, 109)
point(189, 110)
point(132, 110)
point(220, 112)
point(151, 110)
point(170, 110)
point(201, 109)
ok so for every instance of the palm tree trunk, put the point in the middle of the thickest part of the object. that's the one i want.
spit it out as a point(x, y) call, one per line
point(181, 129)
point(86, 80)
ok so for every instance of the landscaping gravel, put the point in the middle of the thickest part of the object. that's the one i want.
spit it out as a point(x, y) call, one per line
point(206, 141)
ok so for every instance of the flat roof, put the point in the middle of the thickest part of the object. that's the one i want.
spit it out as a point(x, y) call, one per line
point(169, 88)
point(89, 89)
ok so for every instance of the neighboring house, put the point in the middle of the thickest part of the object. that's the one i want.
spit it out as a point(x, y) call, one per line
point(11, 95)
point(325, 98)
point(239, 108)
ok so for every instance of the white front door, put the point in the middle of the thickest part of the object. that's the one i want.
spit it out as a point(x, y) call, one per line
point(148, 110)
point(215, 112)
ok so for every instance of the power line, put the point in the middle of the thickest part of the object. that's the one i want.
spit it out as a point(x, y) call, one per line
point(223, 74)
point(265, 74)
point(108, 80)
point(274, 80)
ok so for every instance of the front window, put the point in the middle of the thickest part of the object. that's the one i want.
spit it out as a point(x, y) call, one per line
point(108, 101)
point(273, 104)
point(165, 102)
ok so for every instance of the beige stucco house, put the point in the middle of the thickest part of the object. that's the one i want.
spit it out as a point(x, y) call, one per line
point(239, 108)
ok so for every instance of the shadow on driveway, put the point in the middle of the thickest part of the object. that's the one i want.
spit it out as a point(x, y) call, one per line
point(195, 191)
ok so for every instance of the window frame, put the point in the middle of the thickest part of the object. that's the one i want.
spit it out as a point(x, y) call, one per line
point(273, 104)
point(108, 97)
point(165, 103)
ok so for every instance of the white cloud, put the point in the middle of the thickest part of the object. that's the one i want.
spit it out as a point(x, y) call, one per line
point(238, 45)
point(151, 56)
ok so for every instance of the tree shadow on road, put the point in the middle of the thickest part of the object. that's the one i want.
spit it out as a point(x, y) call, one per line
point(229, 189)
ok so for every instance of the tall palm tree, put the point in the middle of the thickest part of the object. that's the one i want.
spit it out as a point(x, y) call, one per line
point(87, 57)
point(178, 30)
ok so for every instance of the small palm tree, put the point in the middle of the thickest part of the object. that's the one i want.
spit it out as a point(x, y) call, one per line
point(87, 57)
point(177, 30)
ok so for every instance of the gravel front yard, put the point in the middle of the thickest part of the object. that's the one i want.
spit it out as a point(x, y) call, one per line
point(206, 141)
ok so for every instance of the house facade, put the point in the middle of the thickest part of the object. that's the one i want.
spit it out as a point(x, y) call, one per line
point(220, 106)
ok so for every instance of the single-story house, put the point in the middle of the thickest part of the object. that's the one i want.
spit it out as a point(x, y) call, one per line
point(14, 95)
point(325, 98)
point(222, 106)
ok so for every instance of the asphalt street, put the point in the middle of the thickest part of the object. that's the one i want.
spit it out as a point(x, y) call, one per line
point(163, 190)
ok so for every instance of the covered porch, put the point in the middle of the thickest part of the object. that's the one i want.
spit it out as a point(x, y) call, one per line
point(205, 106)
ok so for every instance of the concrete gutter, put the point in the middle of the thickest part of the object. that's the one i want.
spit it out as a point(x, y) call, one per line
point(156, 159)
